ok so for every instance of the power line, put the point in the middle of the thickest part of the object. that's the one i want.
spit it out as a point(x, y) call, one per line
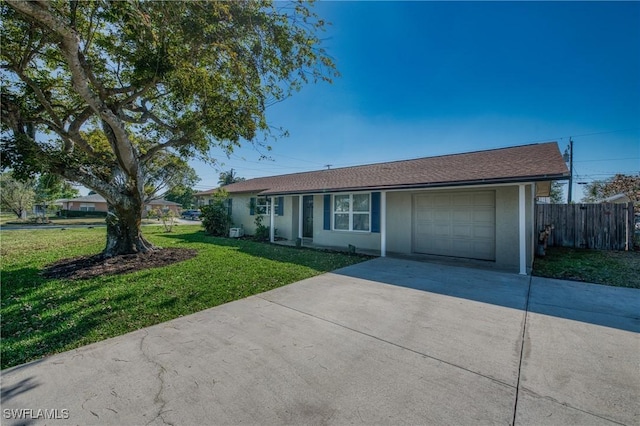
point(607, 159)
point(585, 134)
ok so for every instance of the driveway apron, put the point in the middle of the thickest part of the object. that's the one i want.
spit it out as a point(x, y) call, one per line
point(388, 341)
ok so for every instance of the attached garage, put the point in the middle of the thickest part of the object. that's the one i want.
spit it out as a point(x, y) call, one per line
point(460, 224)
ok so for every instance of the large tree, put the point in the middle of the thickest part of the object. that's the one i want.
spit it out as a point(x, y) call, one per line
point(556, 194)
point(182, 195)
point(16, 196)
point(628, 185)
point(104, 93)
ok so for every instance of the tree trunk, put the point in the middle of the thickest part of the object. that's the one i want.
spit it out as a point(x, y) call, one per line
point(124, 235)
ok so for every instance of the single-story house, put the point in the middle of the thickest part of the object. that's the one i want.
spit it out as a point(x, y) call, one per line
point(97, 203)
point(476, 205)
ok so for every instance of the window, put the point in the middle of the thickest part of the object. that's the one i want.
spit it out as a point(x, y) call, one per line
point(87, 207)
point(263, 206)
point(352, 212)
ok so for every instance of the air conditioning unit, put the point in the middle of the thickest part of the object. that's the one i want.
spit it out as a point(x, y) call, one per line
point(236, 232)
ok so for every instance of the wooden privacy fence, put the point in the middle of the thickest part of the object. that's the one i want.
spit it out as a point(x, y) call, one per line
point(595, 226)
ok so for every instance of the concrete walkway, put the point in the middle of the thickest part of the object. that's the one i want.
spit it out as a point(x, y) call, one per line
point(388, 341)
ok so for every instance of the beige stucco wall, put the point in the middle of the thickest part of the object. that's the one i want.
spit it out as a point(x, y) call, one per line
point(241, 216)
point(399, 222)
point(507, 229)
point(284, 223)
point(98, 206)
point(361, 240)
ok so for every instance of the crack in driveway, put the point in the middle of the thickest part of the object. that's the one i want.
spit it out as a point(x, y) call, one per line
point(158, 399)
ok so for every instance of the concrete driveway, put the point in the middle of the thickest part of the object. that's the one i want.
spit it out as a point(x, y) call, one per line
point(388, 341)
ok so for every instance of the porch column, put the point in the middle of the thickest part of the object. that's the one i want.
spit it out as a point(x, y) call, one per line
point(272, 217)
point(300, 218)
point(383, 224)
point(522, 229)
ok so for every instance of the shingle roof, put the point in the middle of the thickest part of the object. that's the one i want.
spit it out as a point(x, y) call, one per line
point(93, 198)
point(207, 192)
point(515, 164)
point(163, 202)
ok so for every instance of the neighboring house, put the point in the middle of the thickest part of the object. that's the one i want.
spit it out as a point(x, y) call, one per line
point(204, 198)
point(477, 205)
point(97, 203)
point(617, 198)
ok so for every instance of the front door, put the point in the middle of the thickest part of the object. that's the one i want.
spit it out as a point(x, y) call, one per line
point(307, 216)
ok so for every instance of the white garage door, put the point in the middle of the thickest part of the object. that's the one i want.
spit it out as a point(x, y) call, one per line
point(460, 224)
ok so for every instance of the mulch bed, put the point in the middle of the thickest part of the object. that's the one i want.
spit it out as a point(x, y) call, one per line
point(85, 267)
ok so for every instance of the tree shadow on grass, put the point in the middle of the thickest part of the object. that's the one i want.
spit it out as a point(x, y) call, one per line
point(319, 260)
point(42, 316)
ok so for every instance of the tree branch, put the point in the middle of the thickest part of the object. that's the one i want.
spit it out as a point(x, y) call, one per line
point(74, 132)
point(82, 77)
point(173, 143)
point(42, 98)
point(147, 114)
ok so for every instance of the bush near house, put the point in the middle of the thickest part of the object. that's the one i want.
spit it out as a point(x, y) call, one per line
point(216, 219)
point(78, 213)
point(262, 232)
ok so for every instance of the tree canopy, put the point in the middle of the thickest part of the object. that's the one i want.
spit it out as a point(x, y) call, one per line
point(182, 195)
point(50, 187)
point(555, 196)
point(16, 196)
point(113, 95)
point(628, 185)
point(229, 177)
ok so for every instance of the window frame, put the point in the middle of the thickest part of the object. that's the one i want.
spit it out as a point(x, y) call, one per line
point(87, 207)
point(350, 212)
point(265, 208)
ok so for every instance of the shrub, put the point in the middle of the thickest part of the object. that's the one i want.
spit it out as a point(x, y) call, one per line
point(168, 218)
point(77, 213)
point(216, 219)
point(262, 232)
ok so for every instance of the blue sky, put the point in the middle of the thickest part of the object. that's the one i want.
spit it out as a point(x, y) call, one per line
point(432, 78)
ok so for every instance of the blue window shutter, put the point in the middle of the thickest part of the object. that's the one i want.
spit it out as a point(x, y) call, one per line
point(327, 212)
point(375, 212)
point(280, 210)
point(252, 206)
point(229, 206)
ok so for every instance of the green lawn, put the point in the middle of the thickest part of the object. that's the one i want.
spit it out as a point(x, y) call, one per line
point(615, 268)
point(43, 316)
point(7, 217)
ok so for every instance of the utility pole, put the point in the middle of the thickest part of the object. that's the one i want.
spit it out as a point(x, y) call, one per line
point(568, 156)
